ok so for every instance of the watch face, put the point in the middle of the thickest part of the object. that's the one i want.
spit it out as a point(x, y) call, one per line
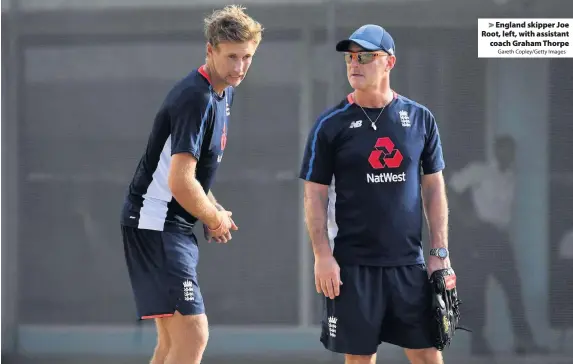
point(442, 253)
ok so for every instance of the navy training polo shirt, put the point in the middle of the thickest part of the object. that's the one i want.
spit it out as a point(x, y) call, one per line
point(192, 119)
point(377, 178)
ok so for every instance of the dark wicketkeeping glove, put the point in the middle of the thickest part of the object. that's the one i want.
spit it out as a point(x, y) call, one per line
point(445, 307)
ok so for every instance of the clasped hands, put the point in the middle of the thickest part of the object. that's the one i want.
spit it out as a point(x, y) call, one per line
point(222, 232)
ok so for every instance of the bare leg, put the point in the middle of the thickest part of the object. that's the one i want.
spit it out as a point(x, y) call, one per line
point(360, 359)
point(189, 335)
point(424, 356)
point(163, 341)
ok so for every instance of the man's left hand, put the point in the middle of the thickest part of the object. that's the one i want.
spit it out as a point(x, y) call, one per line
point(208, 236)
point(435, 263)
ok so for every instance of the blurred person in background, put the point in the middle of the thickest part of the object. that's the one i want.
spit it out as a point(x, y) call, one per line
point(482, 201)
point(374, 144)
point(170, 191)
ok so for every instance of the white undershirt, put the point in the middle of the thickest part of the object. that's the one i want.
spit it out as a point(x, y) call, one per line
point(492, 191)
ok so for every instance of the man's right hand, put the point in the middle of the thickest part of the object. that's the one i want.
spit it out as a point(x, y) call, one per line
point(221, 232)
point(327, 276)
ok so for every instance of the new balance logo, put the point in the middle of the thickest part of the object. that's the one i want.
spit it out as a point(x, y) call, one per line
point(356, 124)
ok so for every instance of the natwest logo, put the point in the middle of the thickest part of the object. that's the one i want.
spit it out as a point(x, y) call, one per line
point(385, 177)
point(385, 155)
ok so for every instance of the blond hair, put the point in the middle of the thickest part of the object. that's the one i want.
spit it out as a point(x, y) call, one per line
point(232, 24)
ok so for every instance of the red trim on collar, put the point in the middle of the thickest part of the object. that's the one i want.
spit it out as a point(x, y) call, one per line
point(350, 98)
point(204, 73)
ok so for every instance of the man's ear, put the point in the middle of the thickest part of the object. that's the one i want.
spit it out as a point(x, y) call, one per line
point(209, 49)
point(391, 62)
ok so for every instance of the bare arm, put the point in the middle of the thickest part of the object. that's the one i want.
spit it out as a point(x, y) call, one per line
point(211, 197)
point(436, 208)
point(214, 201)
point(188, 191)
point(326, 269)
point(315, 209)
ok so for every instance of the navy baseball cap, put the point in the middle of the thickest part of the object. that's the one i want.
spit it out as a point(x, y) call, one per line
point(370, 37)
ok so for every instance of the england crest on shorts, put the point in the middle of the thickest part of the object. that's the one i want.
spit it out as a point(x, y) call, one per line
point(188, 294)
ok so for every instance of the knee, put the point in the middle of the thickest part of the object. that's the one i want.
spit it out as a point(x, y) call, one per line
point(201, 332)
point(163, 344)
point(192, 329)
point(424, 356)
point(360, 359)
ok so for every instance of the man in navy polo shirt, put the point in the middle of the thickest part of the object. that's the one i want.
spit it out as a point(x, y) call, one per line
point(171, 189)
point(380, 154)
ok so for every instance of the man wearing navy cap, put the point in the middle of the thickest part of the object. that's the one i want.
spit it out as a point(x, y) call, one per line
point(384, 152)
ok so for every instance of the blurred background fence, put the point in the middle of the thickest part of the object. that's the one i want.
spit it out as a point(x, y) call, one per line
point(81, 83)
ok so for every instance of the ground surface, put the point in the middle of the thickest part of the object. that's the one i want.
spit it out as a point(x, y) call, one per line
point(274, 360)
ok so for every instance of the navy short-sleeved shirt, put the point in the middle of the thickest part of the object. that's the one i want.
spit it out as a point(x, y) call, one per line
point(377, 177)
point(192, 119)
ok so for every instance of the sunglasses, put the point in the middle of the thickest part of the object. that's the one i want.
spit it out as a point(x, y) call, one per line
point(362, 57)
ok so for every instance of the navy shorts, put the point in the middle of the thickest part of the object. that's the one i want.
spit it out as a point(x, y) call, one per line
point(375, 305)
point(162, 269)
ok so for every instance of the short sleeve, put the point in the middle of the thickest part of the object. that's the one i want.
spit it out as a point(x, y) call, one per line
point(432, 158)
point(189, 123)
point(468, 176)
point(318, 161)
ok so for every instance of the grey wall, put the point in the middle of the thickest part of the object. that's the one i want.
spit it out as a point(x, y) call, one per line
point(82, 89)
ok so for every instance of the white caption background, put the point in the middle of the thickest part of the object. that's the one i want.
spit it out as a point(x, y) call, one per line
point(525, 38)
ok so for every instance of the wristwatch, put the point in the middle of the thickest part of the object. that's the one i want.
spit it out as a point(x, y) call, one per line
point(441, 253)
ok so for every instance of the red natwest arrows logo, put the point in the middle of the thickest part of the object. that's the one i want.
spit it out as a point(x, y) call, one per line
point(384, 155)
